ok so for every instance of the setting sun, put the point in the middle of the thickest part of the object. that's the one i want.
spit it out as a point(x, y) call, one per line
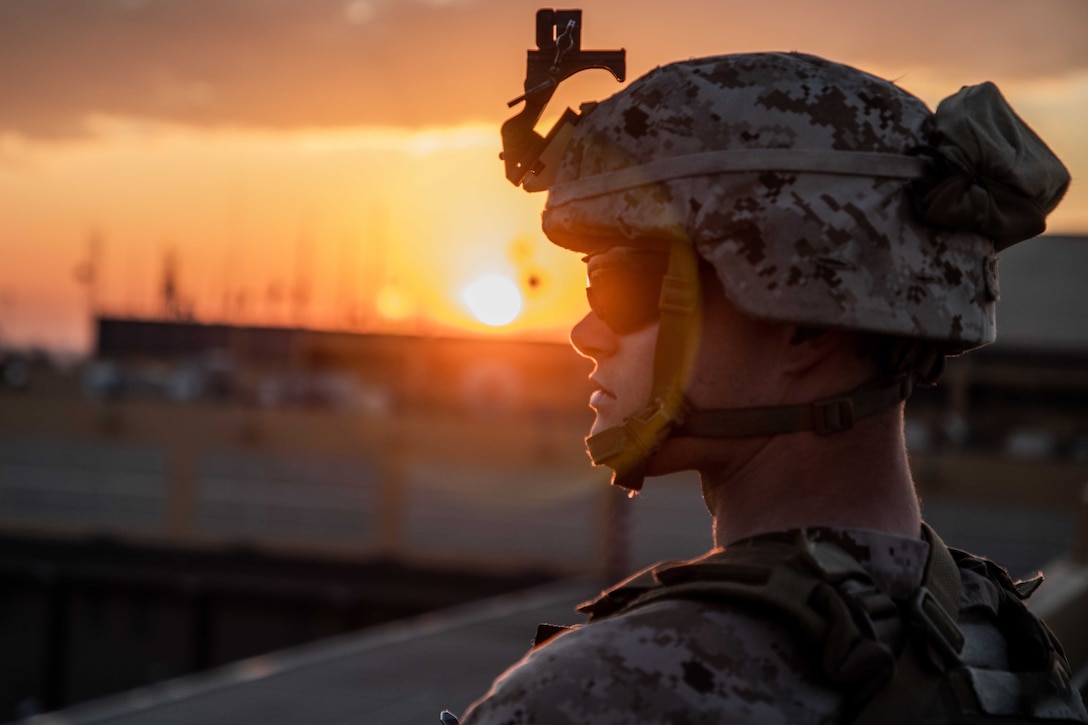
point(493, 300)
point(392, 303)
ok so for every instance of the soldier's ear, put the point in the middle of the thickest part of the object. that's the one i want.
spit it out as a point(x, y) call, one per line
point(807, 347)
point(800, 334)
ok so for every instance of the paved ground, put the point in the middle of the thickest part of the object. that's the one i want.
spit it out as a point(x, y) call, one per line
point(393, 675)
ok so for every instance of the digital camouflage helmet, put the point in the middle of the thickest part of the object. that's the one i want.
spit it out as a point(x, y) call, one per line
point(822, 196)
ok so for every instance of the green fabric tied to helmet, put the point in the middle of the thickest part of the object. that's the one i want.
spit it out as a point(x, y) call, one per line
point(992, 174)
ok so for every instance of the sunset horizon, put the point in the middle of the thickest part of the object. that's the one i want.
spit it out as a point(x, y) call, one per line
point(335, 164)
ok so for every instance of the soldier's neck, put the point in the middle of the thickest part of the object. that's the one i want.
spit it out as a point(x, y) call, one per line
point(854, 479)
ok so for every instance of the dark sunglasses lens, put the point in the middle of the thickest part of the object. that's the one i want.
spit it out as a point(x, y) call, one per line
point(625, 300)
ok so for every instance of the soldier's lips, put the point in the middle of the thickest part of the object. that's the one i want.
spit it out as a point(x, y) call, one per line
point(600, 398)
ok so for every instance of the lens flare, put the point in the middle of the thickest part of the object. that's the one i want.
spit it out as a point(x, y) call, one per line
point(493, 300)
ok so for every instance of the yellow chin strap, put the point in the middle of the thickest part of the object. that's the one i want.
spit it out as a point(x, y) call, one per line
point(627, 448)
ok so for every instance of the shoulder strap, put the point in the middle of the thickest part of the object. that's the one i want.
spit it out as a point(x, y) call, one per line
point(934, 647)
point(832, 604)
point(796, 582)
point(855, 632)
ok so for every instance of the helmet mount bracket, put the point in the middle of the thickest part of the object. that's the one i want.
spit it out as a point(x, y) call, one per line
point(531, 159)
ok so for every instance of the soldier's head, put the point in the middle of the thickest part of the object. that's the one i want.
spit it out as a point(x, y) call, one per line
point(745, 216)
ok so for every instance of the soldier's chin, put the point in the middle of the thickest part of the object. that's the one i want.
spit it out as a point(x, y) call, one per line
point(603, 421)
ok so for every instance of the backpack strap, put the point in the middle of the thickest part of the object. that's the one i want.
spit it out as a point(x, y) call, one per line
point(796, 582)
point(935, 646)
point(894, 660)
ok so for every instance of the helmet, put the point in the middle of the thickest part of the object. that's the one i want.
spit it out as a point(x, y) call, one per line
point(788, 173)
point(821, 196)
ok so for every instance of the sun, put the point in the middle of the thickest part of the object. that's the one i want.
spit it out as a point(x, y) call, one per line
point(392, 303)
point(493, 300)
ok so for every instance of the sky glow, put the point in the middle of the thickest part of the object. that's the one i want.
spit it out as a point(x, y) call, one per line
point(316, 156)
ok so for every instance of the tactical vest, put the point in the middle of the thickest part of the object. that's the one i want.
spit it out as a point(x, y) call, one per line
point(894, 660)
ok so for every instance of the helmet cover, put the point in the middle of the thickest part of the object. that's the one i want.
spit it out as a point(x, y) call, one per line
point(809, 245)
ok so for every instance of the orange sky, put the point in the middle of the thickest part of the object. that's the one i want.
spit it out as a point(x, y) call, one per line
point(299, 156)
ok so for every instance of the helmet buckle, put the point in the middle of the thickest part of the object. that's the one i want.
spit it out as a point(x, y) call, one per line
point(941, 636)
point(678, 296)
point(832, 416)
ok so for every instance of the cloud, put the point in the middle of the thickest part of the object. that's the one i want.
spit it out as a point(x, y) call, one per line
point(360, 11)
point(274, 63)
point(306, 63)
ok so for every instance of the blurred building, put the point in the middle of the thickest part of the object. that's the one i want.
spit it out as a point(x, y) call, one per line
point(1010, 421)
point(196, 494)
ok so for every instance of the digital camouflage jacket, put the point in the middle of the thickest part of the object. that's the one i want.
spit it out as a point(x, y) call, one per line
point(691, 659)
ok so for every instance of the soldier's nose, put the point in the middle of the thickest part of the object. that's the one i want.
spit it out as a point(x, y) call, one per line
point(592, 338)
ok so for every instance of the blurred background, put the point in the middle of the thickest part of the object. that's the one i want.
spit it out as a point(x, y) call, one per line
point(283, 356)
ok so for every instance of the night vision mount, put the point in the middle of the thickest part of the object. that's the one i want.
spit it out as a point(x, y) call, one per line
point(531, 159)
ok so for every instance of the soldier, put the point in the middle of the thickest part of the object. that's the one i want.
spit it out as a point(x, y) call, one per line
point(778, 248)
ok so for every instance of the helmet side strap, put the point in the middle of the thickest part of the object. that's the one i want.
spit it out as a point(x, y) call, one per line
point(626, 448)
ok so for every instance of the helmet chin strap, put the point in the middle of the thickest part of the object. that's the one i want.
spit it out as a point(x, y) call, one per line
point(627, 448)
point(830, 415)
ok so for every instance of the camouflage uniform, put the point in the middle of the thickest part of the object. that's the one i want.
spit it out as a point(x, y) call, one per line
point(685, 661)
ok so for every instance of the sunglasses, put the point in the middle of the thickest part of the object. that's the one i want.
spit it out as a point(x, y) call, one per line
point(625, 288)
